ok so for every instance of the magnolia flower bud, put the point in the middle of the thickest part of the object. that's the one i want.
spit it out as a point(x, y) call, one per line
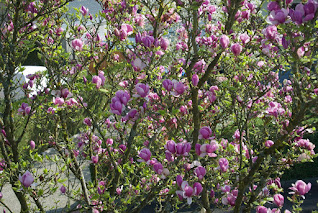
point(32, 144)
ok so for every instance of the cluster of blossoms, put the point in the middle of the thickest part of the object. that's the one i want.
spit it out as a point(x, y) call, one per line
point(213, 54)
point(25, 109)
point(187, 191)
point(300, 188)
point(119, 102)
point(77, 44)
point(236, 48)
point(145, 156)
point(64, 97)
point(99, 79)
point(301, 13)
point(30, 83)
point(211, 93)
point(229, 197)
point(176, 88)
point(275, 109)
point(306, 144)
point(176, 149)
point(142, 90)
point(124, 31)
point(207, 149)
point(85, 141)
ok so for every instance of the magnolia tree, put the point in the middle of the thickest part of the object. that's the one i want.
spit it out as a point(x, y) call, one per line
point(176, 102)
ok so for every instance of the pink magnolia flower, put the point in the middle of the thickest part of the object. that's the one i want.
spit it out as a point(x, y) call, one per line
point(200, 172)
point(178, 87)
point(275, 109)
point(72, 102)
point(183, 149)
point(59, 31)
point(51, 110)
point(102, 77)
point(305, 143)
point(84, 11)
point(87, 121)
point(271, 32)
point(32, 8)
point(236, 49)
point(142, 90)
point(229, 199)
point(224, 164)
point(116, 106)
point(123, 83)
point(197, 188)
point(164, 43)
point(226, 188)
point(288, 99)
point(278, 16)
point(269, 143)
point(211, 96)
point(122, 148)
point(188, 191)
point(199, 66)
point(65, 93)
point(300, 188)
point(297, 15)
point(77, 44)
point(26, 179)
point(273, 5)
point(179, 180)
point(303, 13)
point(246, 14)
point(205, 132)
point(209, 149)
point(197, 149)
point(261, 209)
point(32, 144)
point(95, 159)
point(145, 155)
point(139, 20)
point(58, 101)
point(25, 109)
point(224, 41)
point(125, 31)
point(138, 64)
point(169, 156)
point(119, 190)
point(301, 51)
point(97, 80)
point(279, 200)
point(244, 38)
point(133, 114)
point(109, 141)
point(171, 146)
point(148, 41)
point(158, 168)
point(123, 96)
point(167, 84)
point(195, 80)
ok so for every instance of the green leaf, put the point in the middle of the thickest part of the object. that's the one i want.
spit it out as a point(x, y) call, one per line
point(60, 180)
point(104, 90)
